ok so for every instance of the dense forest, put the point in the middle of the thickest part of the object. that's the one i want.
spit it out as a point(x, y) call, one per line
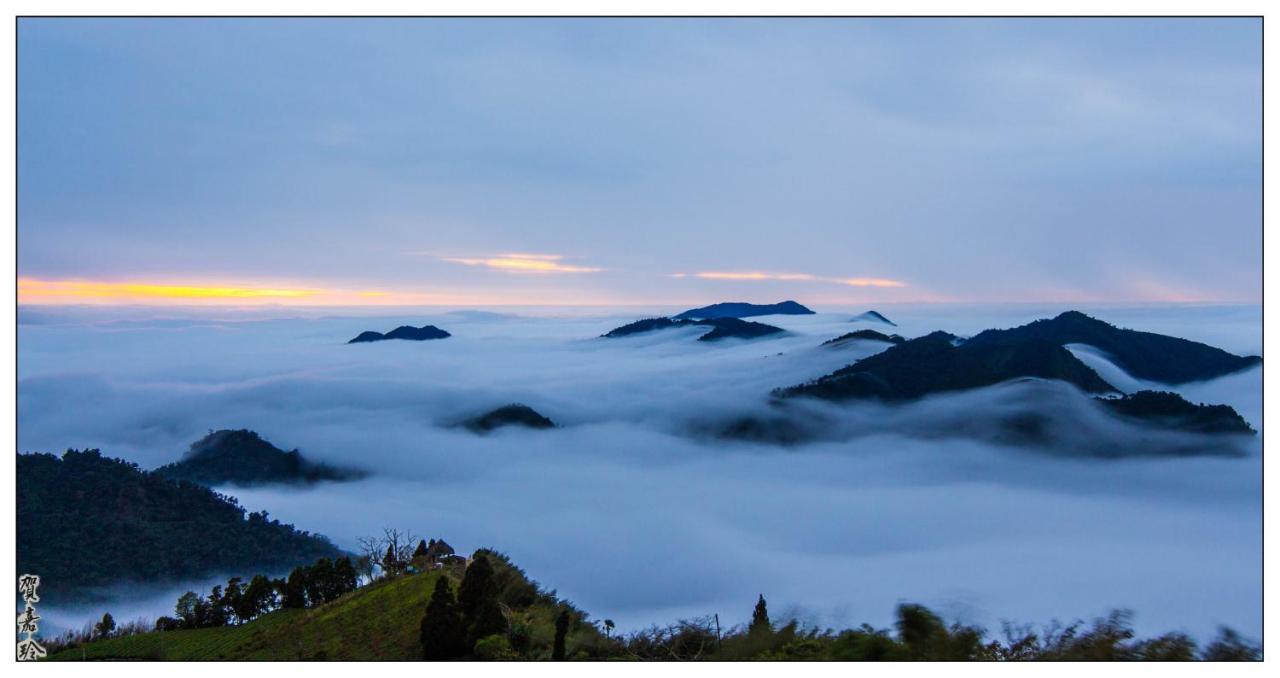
point(242, 457)
point(85, 520)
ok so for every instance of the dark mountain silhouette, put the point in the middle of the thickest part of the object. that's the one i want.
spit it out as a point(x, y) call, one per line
point(866, 335)
point(1170, 410)
point(243, 458)
point(1145, 355)
point(875, 316)
point(645, 325)
point(738, 309)
point(721, 328)
point(403, 332)
point(514, 414)
point(941, 362)
point(725, 328)
point(85, 520)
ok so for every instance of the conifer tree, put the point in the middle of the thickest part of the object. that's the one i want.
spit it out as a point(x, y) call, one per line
point(760, 619)
point(421, 551)
point(478, 601)
point(442, 630)
point(477, 586)
point(562, 630)
point(390, 563)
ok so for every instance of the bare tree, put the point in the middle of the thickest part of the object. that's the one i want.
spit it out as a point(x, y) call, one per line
point(390, 552)
point(686, 640)
point(399, 543)
point(371, 550)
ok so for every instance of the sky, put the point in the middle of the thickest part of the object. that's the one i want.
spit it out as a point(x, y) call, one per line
point(610, 162)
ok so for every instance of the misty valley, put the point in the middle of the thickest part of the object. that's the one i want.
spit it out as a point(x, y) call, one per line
point(925, 467)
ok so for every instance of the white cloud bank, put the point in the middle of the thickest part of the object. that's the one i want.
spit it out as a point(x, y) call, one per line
point(632, 517)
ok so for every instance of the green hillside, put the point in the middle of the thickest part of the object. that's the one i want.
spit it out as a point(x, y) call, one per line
point(380, 621)
point(500, 614)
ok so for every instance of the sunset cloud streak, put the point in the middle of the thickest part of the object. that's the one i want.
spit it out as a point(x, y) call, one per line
point(523, 263)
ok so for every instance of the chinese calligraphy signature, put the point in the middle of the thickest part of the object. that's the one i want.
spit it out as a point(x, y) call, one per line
point(28, 648)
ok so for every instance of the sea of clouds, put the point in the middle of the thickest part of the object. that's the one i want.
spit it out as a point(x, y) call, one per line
point(635, 512)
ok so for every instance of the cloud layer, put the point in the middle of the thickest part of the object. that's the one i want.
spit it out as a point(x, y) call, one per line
point(631, 513)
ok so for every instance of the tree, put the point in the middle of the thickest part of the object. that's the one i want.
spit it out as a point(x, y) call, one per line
point(477, 585)
point(421, 551)
point(921, 630)
point(478, 601)
point(562, 630)
point(494, 648)
point(371, 551)
point(608, 628)
point(187, 610)
point(490, 621)
point(442, 632)
point(364, 568)
point(1229, 646)
point(233, 599)
point(389, 563)
point(320, 582)
point(259, 597)
point(105, 627)
point(399, 550)
point(760, 619)
point(347, 579)
point(295, 590)
point(217, 612)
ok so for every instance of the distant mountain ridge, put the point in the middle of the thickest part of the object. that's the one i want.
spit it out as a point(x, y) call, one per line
point(515, 414)
point(242, 457)
point(944, 362)
point(740, 309)
point(721, 328)
point(1146, 355)
point(1171, 410)
point(403, 332)
point(941, 362)
point(865, 335)
point(875, 316)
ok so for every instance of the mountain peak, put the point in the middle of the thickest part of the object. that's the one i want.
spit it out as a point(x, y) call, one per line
point(402, 332)
point(742, 309)
point(876, 316)
point(1146, 355)
point(242, 457)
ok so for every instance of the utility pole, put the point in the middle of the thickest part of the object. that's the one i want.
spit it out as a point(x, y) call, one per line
point(717, 615)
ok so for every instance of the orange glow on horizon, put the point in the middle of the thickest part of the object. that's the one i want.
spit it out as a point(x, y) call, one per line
point(33, 290)
point(36, 292)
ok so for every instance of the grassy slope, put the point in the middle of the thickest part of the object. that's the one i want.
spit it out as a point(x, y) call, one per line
point(376, 622)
